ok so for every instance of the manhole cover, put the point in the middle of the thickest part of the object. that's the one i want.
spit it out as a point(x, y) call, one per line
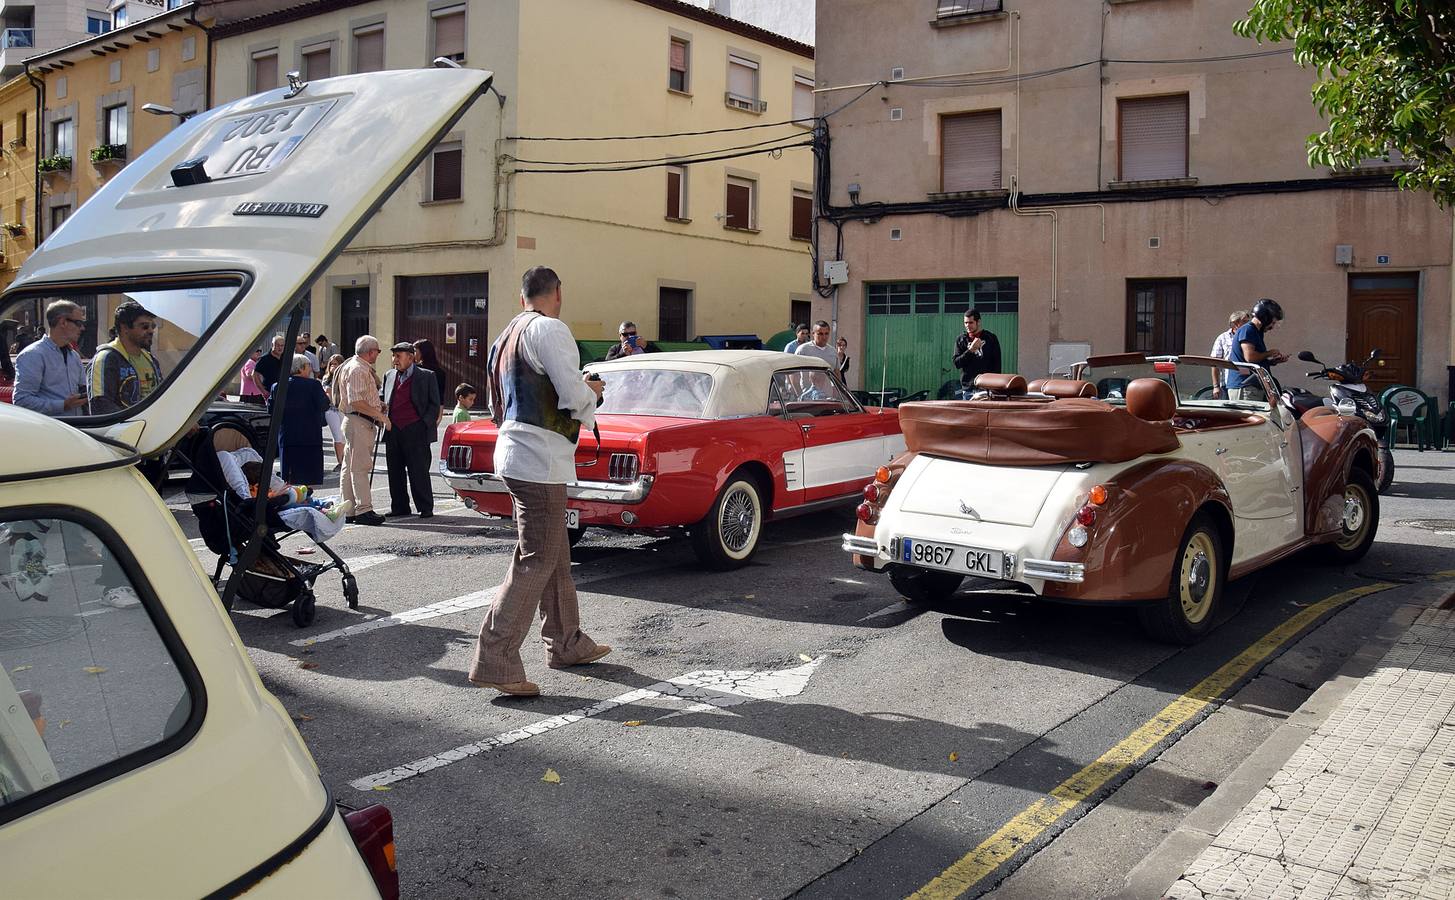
point(33, 631)
point(1442, 526)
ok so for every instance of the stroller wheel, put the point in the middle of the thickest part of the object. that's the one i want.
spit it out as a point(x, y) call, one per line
point(305, 609)
point(351, 591)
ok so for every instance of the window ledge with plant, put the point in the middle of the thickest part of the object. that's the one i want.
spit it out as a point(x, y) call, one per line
point(56, 163)
point(1188, 181)
point(102, 153)
point(14, 229)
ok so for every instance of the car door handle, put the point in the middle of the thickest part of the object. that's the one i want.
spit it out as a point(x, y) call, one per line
point(1220, 451)
point(806, 428)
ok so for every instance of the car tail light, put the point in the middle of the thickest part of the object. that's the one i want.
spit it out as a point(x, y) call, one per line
point(1086, 515)
point(1097, 496)
point(882, 475)
point(623, 467)
point(372, 829)
point(867, 513)
point(874, 492)
point(459, 456)
point(1164, 367)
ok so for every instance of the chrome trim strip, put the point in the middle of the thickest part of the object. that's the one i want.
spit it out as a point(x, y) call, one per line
point(629, 492)
point(864, 546)
point(1050, 570)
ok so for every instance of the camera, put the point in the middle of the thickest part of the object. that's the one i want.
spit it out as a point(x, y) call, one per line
point(592, 376)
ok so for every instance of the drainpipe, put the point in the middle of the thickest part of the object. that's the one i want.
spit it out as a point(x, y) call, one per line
point(39, 142)
point(207, 55)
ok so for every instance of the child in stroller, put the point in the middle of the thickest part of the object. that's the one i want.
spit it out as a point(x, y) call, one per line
point(287, 498)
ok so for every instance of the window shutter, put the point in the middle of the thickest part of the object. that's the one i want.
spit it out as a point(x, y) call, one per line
point(1153, 138)
point(369, 50)
point(265, 73)
point(802, 99)
point(674, 194)
point(449, 34)
point(742, 78)
point(802, 215)
point(677, 60)
point(317, 64)
point(447, 174)
point(970, 152)
point(739, 204)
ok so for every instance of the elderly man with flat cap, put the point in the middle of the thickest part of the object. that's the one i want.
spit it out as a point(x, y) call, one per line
point(412, 400)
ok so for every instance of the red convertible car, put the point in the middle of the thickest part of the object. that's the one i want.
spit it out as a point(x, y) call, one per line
point(717, 441)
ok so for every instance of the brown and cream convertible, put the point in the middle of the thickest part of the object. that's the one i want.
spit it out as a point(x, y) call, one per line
point(1135, 480)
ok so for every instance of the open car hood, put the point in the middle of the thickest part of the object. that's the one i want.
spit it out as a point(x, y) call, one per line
point(295, 173)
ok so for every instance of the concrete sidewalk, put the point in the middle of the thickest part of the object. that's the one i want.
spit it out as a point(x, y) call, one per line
point(1365, 808)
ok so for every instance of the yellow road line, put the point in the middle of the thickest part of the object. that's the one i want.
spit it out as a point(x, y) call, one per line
point(995, 850)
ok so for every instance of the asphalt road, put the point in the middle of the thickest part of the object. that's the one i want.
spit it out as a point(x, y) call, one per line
point(794, 728)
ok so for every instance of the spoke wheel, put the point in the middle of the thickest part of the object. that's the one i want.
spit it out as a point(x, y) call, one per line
point(727, 537)
point(1359, 523)
point(1199, 570)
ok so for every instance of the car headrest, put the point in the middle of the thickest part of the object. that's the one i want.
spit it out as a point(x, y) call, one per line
point(1151, 400)
point(1066, 388)
point(1035, 386)
point(1001, 383)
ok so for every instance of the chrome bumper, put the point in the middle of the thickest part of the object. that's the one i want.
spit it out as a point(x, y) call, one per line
point(1044, 569)
point(634, 491)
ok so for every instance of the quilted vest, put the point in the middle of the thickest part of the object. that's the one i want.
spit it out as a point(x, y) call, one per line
point(518, 392)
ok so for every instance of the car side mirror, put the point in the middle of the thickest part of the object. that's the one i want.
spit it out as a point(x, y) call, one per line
point(1306, 356)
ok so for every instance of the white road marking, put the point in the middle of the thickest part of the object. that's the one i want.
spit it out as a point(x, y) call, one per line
point(360, 563)
point(479, 600)
point(712, 689)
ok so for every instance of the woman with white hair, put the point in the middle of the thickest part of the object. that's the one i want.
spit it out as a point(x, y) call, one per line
point(300, 439)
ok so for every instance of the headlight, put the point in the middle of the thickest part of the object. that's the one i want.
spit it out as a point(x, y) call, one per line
point(1377, 416)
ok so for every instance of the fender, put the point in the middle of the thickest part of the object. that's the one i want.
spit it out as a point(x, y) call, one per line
point(1331, 446)
point(691, 467)
point(1139, 529)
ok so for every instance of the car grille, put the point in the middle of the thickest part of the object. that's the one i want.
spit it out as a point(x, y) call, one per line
point(623, 467)
point(458, 457)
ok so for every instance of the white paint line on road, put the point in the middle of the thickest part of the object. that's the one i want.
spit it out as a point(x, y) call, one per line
point(476, 600)
point(712, 689)
point(360, 563)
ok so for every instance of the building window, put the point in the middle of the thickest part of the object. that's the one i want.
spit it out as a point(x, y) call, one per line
point(20, 130)
point(97, 22)
point(742, 84)
point(63, 138)
point(446, 172)
point(317, 62)
point(949, 9)
point(448, 24)
point(59, 215)
point(118, 16)
point(970, 152)
point(803, 99)
point(265, 71)
point(1156, 316)
point(676, 192)
point(801, 228)
point(799, 311)
point(741, 203)
point(988, 295)
point(674, 314)
point(20, 210)
point(1152, 138)
point(116, 125)
point(677, 65)
point(369, 48)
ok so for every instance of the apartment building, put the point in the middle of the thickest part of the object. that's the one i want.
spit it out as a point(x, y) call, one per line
point(1102, 177)
point(656, 230)
point(17, 176)
point(30, 28)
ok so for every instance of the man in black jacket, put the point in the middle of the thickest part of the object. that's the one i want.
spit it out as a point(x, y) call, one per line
point(412, 400)
point(977, 351)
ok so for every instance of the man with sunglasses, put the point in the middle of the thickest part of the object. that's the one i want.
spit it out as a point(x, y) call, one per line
point(49, 377)
point(124, 372)
point(630, 344)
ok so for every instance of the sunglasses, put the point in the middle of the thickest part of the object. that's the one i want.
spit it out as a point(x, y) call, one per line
point(628, 334)
point(79, 323)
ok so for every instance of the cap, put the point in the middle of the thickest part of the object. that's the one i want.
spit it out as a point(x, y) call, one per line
point(402, 347)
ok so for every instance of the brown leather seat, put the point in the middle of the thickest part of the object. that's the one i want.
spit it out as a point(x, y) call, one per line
point(1151, 400)
point(1066, 388)
point(1001, 383)
point(1035, 386)
point(1032, 432)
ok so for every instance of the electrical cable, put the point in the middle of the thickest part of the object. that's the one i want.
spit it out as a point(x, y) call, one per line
point(658, 165)
point(682, 158)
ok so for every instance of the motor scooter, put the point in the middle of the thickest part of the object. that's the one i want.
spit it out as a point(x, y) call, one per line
point(1350, 395)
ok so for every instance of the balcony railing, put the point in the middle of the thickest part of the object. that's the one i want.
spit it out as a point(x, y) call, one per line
point(946, 9)
point(17, 37)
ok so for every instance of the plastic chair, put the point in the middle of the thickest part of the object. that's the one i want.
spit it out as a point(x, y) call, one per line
point(1423, 419)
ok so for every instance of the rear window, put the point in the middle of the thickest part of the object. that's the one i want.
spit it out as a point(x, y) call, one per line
point(92, 354)
point(89, 688)
point(656, 392)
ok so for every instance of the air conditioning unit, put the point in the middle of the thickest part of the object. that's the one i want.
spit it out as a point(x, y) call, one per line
point(751, 104)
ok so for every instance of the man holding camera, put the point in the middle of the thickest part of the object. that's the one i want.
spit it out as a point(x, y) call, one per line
point(538, 401)
point(630, 344)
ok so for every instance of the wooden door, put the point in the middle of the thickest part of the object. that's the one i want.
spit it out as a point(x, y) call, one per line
point(1384, 313)
point(1157, 316)
point(353, 318)
point(451, 311)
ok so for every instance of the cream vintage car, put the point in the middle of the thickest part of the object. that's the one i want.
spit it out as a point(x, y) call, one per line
point(140, 755)
point(1134, 481)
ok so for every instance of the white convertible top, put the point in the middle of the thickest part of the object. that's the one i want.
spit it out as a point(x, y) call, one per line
point(740, 377)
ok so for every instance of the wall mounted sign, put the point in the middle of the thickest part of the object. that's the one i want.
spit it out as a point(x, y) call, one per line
point(1382, 260)
point(474, 344)
point(450, 332)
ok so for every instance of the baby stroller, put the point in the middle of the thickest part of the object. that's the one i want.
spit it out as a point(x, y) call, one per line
point(274, 581)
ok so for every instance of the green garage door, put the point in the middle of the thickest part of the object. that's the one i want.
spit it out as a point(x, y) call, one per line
point(910, 329)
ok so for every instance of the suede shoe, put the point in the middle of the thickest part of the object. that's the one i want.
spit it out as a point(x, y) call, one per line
point(600, 651)
point(366, 518)
point(513, 689)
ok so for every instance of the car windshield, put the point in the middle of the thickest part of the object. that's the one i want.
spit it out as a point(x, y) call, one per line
point(93, 354)
point(656, 392)
point(1198, 381)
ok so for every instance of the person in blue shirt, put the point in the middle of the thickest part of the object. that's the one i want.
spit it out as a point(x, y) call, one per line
point(49, 377)
point(1250, 346)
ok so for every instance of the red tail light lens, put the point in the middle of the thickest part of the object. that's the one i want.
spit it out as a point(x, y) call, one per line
point(1086, 515)
point(372, 829)
point(867, 513)
point(873, 493)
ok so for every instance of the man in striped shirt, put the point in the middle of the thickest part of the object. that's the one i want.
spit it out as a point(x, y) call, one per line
point(1223, 349)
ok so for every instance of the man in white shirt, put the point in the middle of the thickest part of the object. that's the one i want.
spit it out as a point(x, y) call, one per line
point(819, 347)
point(539, 401)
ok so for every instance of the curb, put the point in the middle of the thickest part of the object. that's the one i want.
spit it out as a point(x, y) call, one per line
point(1151, 877)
